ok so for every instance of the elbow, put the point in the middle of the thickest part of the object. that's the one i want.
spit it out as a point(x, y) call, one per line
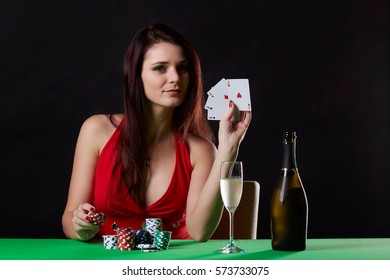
point(200, 232)
point(199, 235)
point(68, 228)
point(65, 226)
point(199, 238)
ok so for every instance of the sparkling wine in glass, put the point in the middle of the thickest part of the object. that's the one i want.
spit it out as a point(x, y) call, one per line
point(231, 191)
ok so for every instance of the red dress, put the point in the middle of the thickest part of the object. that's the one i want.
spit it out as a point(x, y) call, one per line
point(122, 209)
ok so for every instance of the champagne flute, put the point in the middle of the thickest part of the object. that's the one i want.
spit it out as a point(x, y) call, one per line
point(231, 190)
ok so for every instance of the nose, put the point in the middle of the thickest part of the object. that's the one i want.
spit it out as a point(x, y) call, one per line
point(173, 75)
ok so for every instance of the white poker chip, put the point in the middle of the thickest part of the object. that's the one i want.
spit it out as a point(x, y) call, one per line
point(147, 246)
point(149, 250)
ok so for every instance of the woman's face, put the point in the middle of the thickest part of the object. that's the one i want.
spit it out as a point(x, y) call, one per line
point(165, 75)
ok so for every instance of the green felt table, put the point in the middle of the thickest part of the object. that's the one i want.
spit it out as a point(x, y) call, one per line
point(317, 249)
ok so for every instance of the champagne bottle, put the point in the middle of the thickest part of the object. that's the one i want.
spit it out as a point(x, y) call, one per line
point(289, 210)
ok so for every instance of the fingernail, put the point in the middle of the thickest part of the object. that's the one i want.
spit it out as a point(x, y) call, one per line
point(92, 209)
point(230, 103)
point(88, 218)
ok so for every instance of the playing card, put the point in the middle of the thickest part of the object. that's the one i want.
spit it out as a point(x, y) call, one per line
point(218, 101)
point(226, 90)
point(218, 110)
point(238, 91)
point(215, 94)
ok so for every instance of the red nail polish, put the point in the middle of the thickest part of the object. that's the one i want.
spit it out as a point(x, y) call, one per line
point(88, 218)
point(230, 103)
point(92, 209)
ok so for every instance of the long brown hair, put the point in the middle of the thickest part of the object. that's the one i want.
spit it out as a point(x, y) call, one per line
point(132, 146)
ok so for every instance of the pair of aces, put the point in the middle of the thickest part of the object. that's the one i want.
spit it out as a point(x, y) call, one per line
point(226, 90)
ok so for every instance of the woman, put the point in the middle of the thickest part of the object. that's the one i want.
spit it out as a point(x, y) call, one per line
point(156, 159)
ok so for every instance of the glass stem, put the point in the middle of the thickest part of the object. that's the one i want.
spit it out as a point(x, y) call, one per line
point(231, 227)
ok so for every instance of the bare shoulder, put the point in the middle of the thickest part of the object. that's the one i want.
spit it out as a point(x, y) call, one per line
point(97, 129)
point(100, 123)
point(200, 148)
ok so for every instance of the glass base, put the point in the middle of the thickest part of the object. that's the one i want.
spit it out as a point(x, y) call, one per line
point(231, 248)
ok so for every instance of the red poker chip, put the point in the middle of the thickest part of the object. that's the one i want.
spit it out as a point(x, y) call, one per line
point(96, 218)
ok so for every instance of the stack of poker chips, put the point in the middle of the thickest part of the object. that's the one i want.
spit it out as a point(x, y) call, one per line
point(142, 237)
point(126, 239)
point(153, 225)
point(110, 242)
point(151, 239)
point(162, 239)
point(147, 247)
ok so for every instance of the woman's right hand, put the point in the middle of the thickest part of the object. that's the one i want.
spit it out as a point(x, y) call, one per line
point(232, 129)
point(81, 222)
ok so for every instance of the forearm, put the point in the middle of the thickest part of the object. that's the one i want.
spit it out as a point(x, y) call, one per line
point(68, 227)
point(205, 216)
point(82, 234)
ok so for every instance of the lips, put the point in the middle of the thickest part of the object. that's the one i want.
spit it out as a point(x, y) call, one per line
point(173, 92)
point(176, 90)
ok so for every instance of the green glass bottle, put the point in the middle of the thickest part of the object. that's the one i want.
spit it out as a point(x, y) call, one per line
point(289, 210)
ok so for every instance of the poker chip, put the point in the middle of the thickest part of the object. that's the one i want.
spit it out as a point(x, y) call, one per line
point(142, 237)
point(96, 218)
point(162, 239)
point(110, 242)
point(114, 226)
point(146, 246)
point(126, 239)
point(149, 250)
point(153, 225)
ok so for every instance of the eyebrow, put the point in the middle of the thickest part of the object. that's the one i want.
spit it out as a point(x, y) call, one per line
point(166, 62)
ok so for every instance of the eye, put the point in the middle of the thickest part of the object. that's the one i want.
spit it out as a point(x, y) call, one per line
point(183, 68)
point(159, 68)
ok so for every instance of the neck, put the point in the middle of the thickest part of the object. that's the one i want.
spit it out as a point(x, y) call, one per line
point(159, 134)
point(159, 130)
point(159, 124)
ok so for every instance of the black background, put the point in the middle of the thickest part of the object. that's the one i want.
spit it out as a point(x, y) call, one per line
point(318, 67)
